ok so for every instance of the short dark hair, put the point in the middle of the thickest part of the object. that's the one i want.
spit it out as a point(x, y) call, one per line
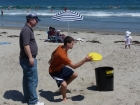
point(50, 27)
point(68, 39)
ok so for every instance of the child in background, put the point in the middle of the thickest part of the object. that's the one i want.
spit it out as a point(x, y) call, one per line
point(128, 39)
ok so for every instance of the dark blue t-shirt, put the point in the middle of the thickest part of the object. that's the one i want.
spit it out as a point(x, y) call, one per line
point(27, 38)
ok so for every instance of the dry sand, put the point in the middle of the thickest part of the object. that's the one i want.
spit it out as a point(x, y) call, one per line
point(82, 90)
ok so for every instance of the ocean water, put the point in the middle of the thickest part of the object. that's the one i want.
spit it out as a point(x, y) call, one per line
point(106, 15)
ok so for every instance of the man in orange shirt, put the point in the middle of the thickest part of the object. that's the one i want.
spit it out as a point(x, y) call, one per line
point(58, 70)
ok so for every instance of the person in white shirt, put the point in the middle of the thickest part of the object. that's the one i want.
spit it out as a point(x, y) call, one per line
point(128, 39)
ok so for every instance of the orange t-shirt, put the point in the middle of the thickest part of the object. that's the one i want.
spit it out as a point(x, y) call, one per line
point(59, 59)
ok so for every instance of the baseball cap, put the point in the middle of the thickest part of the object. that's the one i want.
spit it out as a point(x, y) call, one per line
point(34, 16)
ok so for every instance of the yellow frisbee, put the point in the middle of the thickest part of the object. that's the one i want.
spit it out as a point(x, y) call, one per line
point(95, 56)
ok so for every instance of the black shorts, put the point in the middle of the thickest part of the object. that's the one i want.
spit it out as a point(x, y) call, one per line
point(63, 75)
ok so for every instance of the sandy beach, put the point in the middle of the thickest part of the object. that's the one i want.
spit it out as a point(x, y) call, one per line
point(82, 90)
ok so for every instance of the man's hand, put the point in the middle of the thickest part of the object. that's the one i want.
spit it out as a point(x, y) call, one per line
point(29, 54)
point(31, 60)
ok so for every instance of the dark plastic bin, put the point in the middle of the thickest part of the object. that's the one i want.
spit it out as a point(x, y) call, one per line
point(104, 78)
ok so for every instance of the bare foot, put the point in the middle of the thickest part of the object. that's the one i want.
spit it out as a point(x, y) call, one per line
point(64, 99)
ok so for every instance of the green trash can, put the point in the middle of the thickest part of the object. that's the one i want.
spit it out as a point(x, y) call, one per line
point(104, 78)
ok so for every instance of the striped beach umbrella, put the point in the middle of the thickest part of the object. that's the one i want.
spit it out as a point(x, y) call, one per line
point(67, 16)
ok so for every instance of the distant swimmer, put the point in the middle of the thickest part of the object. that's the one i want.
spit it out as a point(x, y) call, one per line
point(27, 10)
point(50, 10)
point(110, 6)
point(2, 12)
point(114, 6)
point(8, 8)
point(65, 9)
point(37, 7)
point(118, 6)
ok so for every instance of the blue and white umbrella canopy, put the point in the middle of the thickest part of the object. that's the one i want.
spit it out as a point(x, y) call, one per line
point(67, 16)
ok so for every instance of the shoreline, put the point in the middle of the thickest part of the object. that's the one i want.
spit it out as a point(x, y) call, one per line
point(101, 32)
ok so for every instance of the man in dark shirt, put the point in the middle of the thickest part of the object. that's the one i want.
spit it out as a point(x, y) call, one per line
point(28, 61)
